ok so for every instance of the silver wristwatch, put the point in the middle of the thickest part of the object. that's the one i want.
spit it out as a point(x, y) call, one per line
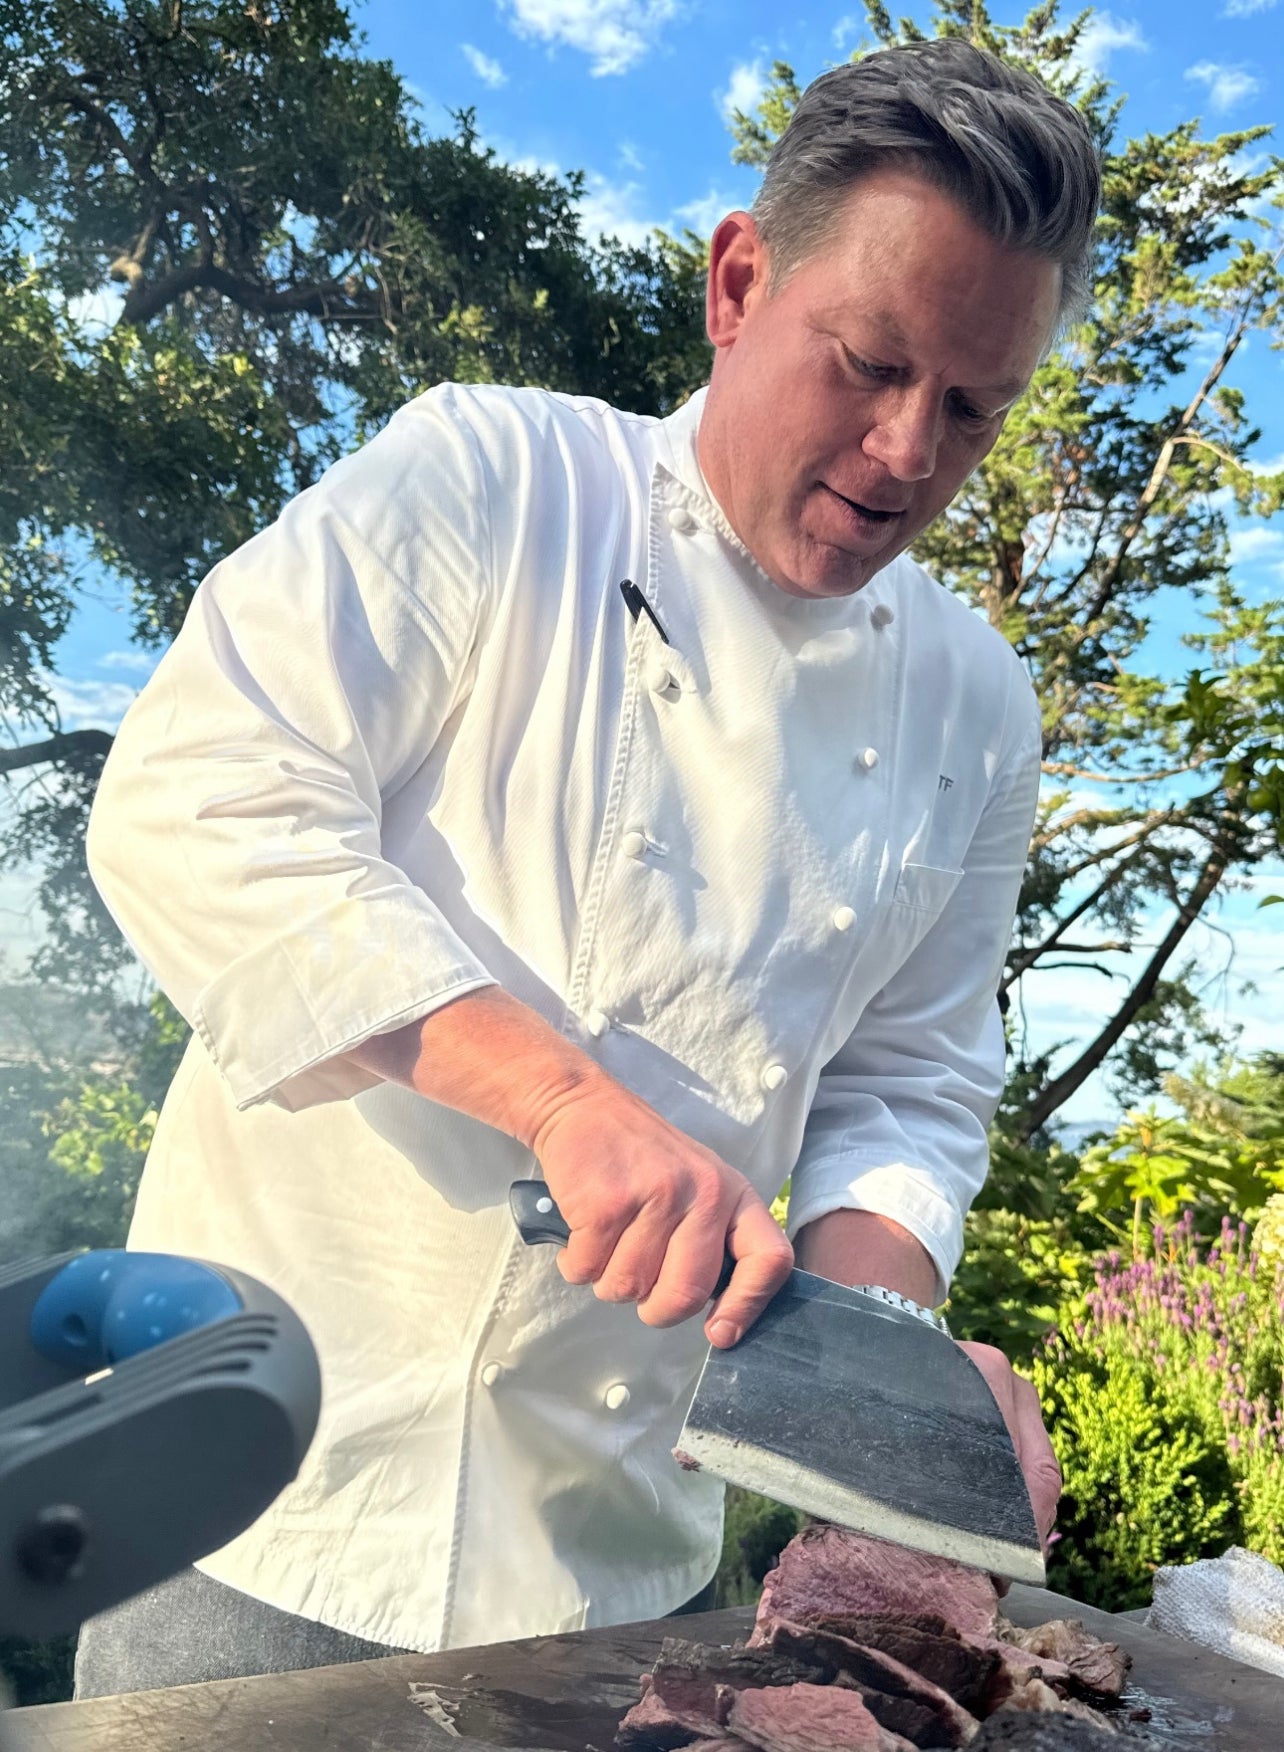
point(894, 1299)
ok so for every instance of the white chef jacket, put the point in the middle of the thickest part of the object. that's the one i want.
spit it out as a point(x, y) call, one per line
point(410, 742)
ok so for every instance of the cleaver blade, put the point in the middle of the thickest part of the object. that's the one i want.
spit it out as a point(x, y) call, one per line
point(861, 1412)
point(845, 1404)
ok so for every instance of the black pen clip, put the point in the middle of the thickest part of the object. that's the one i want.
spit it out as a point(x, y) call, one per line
point(637, 603)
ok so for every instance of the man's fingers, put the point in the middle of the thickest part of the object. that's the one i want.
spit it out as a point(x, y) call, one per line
point(1019, 1403)
point(764, 1259)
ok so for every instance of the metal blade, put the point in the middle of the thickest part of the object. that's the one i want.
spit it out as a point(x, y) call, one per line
point(861, 1413)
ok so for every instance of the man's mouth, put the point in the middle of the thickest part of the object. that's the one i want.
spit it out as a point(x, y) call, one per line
point(875, 513)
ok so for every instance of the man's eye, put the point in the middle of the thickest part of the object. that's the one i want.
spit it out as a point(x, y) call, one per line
point(971, 416)
point(867, 368)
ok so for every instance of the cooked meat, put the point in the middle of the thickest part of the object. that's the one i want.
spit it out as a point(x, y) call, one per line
point(811, 1718)
point(827, 1572)
point(688, 1693)
point(1095, 1666)
point(928, 1645)
point(655, 1725)
point(861, 1646)
point(683, 1667)
point(887, 1685)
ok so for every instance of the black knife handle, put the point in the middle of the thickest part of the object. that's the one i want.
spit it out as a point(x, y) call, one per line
point(538, 1220)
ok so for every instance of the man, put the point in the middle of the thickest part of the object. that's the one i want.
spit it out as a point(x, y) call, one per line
point(554, 789)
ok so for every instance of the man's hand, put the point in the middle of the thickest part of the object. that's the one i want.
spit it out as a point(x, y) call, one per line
point(1019, 1404)
point(651, 1213)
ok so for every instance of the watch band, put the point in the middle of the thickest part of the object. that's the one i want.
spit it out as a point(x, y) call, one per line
point(894, 1299)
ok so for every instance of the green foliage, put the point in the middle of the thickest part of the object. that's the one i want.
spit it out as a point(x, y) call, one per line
point(1224, 1153)
point(73, 1138)
point(1163, 1391)
point(227, 252)
point(755, 1531)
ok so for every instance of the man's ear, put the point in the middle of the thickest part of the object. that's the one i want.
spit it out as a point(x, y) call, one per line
point(737, 277)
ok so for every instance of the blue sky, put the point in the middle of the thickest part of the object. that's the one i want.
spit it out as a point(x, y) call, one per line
point(635, 93)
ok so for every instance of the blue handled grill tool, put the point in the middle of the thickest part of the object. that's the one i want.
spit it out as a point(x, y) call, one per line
point(151, 1407)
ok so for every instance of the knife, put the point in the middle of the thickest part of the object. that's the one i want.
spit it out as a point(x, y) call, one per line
point(857, 1406)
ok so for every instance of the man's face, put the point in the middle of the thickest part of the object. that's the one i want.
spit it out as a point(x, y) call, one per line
point(846, 410)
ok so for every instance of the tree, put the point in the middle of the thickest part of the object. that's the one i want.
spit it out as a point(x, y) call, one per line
point(1108, 487)
point(295, 258)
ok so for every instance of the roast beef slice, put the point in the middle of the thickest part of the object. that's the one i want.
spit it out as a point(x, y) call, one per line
point(1096, 1667)
point(887, 1685)
point(688, 1692)
point(826, 1572)
point(654, 1725)
point(928, 1645)
point(682, 1665)
point(811, 1718)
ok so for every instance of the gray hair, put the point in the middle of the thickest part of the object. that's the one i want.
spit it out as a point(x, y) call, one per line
point(1020, 161)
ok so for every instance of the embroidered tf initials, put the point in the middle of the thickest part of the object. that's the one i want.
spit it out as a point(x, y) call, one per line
point(944, 782)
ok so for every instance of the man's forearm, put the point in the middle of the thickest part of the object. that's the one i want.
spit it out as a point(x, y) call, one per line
point(860, 1247)
point(488, 1055)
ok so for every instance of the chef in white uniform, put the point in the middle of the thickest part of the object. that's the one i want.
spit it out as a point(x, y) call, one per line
point(557, 790)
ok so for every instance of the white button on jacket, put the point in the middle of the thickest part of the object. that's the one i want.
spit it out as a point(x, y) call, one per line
point(393, 756)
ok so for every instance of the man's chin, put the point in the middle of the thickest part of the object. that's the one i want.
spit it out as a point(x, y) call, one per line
point(822, 572)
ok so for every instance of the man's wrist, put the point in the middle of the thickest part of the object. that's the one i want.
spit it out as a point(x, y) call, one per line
point(864, 1247)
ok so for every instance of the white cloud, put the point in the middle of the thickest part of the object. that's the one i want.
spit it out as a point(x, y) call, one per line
point(747, 83)
point(1255, 545)
point(614, 33)
point(630, 157)
point(1101, 36)
point(702, 214)
point(142, 661)
point(1227, 86)
point(89, 704)
point(486, 67)
point(1245, 8)
point(849, 25)
point(616, 209)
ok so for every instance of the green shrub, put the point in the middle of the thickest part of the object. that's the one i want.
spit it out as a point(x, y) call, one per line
point(1163, 1392)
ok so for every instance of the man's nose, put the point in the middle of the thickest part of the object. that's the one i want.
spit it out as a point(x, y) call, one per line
point(906, 435)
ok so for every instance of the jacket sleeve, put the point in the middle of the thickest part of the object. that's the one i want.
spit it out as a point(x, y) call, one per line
point(901, 1114)
point(235, 835)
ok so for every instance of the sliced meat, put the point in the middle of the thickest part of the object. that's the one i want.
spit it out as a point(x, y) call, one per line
point(827, 1572)
point(1096, 1667)
point(688, 1693)
point(899, 1696)
point(928, 1645)
point(811, 1718)
point(655, 1725)
point(681, 1668)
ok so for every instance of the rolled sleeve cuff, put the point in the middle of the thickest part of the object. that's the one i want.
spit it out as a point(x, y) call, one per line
point(277, 1018)
point(909, 1195)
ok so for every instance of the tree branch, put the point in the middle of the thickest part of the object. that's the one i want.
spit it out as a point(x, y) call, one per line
point(1054, 1094)
point(60, 747)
